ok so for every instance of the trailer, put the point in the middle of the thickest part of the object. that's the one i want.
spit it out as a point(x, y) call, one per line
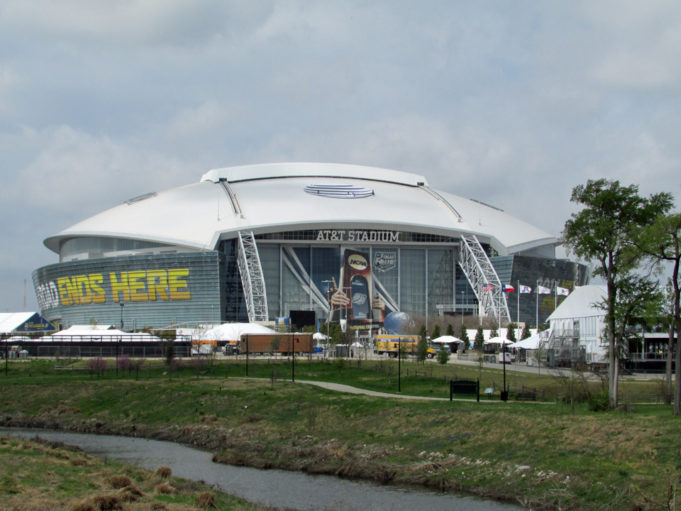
point(284, 343)
point(390, 344)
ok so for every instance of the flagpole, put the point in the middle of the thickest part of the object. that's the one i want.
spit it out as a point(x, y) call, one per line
point(537, 292)
point(517, 316)
point(555, 298)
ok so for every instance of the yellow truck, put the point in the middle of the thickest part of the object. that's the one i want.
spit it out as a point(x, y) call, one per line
point(390, 343)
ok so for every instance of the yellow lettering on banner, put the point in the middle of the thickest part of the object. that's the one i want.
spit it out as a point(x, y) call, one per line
point(64, 297)
point(120, 286)
point(72, 289)
point(137, 286)
point(82, 289)
point(96, 280)
point(177, 282)
point(157, 284)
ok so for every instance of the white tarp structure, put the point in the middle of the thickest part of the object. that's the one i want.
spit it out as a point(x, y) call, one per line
point(99, 333)
point(446, 339)
point(531, 343)
point(580, 317)
point(318, 336)
point(232, 331)
point(498, 340)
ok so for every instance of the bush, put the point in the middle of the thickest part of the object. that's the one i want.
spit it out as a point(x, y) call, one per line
point(443, 356)
point(96, 365)
point(124, 363)
point(599, 401)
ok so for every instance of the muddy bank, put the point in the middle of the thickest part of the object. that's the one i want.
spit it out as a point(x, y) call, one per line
point(305, 454)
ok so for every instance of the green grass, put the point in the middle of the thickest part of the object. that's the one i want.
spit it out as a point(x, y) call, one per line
point(554, 455)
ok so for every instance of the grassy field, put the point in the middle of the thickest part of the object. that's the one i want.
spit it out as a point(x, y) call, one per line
point(38, 475)
point(559, 454)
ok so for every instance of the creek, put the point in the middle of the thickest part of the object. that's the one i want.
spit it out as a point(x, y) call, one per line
point(275, 488)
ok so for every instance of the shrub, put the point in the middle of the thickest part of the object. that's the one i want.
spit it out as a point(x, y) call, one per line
point(124, 363)
point(164, 472)
point(96, 365)
point(206, 500)
point(117, 482)
point(598, 401)
point(443, 356)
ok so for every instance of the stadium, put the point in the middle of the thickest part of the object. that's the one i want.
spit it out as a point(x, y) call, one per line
point(340, 242)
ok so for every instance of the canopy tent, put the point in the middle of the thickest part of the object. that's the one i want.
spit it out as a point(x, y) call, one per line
point(23, 322)
point(531, 343)
point(96, 333)
point(318, 336)
point(232, 331)
point(447, 339)
point(497, 340)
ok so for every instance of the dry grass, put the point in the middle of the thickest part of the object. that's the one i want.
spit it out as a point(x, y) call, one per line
point(37, 476)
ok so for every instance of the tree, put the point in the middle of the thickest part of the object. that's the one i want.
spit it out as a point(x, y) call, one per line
point(603, 232)
point(421, 350)
point(479, 339)
point(450, 330)
point(493, 333)
point(443, 355)
point(423, 332)
point(662, 240)
point(436, 332)
point(463, 335)
point(510, 332)
point(526, 332)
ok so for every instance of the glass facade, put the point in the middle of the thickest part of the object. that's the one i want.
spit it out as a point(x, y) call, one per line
point(360, 282)
point(155, 290)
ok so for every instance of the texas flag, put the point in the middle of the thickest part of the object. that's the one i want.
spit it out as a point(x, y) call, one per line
point(507, 289)
point(525, 289)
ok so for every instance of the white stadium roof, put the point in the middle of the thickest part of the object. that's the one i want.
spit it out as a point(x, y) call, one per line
point(297, 196)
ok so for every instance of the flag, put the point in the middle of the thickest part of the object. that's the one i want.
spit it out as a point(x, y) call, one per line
point(488, 287)
point(561, 291)
point(507, 289)
point(541, 290)
point(525, 289)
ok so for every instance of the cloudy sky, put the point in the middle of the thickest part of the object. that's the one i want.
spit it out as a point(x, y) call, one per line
point(512, 103)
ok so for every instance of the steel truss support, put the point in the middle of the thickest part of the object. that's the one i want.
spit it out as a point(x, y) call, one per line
point(483, 278)
point(252, 278)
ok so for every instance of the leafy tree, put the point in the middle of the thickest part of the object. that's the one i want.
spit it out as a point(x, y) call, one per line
point(662, 240)
point(443, 355)
point(423, 332)
point(463, 335)
point(450, 330)
point(510, 332)
point(526, 332)
point(479, 339)
point(603, 232)
point(493, 333)
point(421, 350)
point(436, 332)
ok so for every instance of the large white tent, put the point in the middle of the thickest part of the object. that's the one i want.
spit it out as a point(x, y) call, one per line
point(232, 331)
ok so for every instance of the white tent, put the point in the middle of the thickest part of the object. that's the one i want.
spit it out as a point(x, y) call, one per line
point(531, 343)
point(498, 340)
point(233, 331)
point(97, 333)
point(446, 339)
point(318, 336)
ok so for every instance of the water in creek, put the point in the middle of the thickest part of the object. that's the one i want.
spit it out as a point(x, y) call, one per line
point(276, 488)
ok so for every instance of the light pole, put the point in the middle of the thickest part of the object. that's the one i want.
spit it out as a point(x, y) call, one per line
point(122, 304)
point(462, 307)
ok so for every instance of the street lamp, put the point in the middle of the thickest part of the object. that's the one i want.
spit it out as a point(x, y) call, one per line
point(462, 307)
point(122, 304)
